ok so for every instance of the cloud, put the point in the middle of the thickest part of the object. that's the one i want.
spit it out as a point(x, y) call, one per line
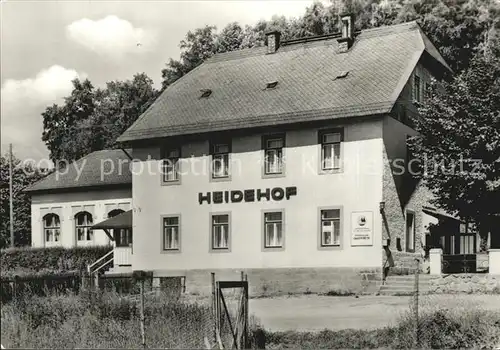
point(24, 100)
point(110, 36)
point(48, 85)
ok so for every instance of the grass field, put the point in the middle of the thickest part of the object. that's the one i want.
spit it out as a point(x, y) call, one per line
point(95, 320)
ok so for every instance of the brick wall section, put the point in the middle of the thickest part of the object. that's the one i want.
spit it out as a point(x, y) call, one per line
point(396, 204)
point(283, 281)
point(465, 283)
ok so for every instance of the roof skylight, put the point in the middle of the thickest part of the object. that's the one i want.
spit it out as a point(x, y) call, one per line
point(205, 93)
point(271, 84)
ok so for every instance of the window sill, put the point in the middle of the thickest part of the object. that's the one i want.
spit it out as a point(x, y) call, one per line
point(170, 183)
point(273, 176)
point(220, 179)
point(330, 247)
point(329, 172)
point(220, 250)
point(273, 249)
point(170, 251)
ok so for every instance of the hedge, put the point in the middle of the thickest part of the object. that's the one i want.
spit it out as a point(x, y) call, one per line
point(42, 261)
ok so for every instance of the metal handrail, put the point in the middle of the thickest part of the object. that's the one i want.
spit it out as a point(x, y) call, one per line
point(100, 267)
point(91, 266)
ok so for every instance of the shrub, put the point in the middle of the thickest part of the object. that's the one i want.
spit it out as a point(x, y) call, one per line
point(35, 261)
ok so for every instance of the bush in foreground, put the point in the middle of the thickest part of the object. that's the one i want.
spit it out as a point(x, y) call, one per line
point(38, 261)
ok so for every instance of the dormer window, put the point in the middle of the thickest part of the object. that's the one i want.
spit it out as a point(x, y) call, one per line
point(205, 93)
point(271, 85)
point(342, 74)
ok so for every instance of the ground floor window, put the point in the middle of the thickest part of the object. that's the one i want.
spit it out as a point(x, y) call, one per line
point(273, 229)
point(52, 228)
point(330, 227)
point(171, 234)
point(220, 231)
point(123, 237)
point(83, 224)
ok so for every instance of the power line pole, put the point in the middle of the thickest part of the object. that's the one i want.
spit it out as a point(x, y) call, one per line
point(11, 199)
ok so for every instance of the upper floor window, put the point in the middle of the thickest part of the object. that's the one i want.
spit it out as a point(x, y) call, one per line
point(330, 149)
point(220, 159)
point(171, 235)
point(410, 231)
point(83, 223)
point(171, 165)
point(52, 228)
point(273, 154)
point(416, 89)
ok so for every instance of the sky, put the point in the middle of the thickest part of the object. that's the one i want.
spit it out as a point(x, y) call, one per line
point(46, 44)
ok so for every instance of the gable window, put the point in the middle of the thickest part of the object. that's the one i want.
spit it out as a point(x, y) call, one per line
point(220, 232)
point(410, 231)
point(273, 154)
point(220, 160)
point(171, 235)
point(83, 223)
point(330, 227)
point(416, 89)
point(273, 229)
point(330, 149)
point(171, 165)
point(52, 228)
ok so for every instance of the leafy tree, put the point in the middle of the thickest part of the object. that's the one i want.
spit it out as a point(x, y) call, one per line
point(23, 176)
point(91, 119)
point(62, 131)
point(459, 144)
point(458, 28)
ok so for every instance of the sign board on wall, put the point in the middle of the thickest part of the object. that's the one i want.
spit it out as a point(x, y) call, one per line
point(361, 228)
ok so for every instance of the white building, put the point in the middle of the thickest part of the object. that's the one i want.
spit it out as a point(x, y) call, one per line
point(66, 203)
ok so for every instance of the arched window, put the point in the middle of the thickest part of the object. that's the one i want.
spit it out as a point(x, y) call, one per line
point(83, 222)
point(52, 228)
point(123, 236)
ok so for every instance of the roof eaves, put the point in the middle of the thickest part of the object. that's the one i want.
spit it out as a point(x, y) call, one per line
point(265, 120)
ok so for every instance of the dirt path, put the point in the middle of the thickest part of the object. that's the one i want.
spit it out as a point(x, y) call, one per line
point(311, 313)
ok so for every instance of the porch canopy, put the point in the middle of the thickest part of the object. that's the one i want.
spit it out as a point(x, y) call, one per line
point(120, 221)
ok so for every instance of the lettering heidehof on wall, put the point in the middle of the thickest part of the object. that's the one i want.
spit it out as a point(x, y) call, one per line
point(250, 195)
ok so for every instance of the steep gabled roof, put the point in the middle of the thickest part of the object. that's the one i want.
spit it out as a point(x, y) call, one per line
point(379, 64)
point(100, 168)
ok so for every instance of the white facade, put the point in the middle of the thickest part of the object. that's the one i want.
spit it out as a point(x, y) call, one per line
point(355, 190)
point(62, 210)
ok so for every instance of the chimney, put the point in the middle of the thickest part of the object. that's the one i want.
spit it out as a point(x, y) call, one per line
point(273, 41)
point(347, 28)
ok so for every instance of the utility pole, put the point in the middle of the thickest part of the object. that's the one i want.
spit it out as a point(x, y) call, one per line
point(11, 199)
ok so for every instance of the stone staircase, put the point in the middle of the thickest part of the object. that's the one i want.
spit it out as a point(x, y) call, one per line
point(404, 284)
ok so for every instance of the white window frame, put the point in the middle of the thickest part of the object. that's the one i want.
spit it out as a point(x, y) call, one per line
point(267, 223)
point(276, 168)
point(171, 166)
point(167, 230)
point(223, 157)
point(226, 226)
point(335, 149)
point(88, 234)
point(53, 230)
point(335, 224)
